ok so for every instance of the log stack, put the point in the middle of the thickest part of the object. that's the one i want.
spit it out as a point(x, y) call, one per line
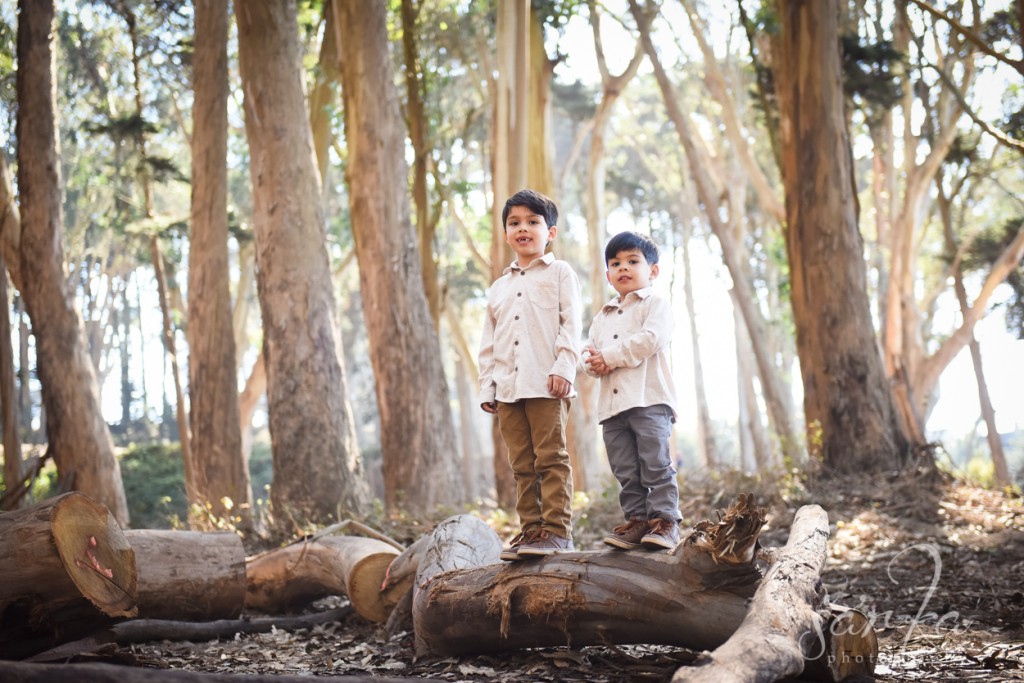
point(757, 616)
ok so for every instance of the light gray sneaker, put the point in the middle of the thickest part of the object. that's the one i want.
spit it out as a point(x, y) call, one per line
point(545, 543)
point(663, 534)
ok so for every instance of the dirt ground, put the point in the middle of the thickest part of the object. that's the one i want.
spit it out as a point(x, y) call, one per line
point(938, 568)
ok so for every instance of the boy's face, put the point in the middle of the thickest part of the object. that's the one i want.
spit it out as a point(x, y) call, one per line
point(527, 233)
point(629, 271)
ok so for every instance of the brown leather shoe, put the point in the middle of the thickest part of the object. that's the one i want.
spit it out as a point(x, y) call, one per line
point(510, 553)
point(545, 543)
point(629, 535)
point(662, 534)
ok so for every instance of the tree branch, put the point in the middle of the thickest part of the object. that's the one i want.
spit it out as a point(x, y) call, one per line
point(971, 36)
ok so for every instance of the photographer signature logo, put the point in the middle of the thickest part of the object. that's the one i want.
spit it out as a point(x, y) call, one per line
point(841, 625)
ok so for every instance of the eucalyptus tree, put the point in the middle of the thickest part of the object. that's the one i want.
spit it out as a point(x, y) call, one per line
point(851, 418)
point(318, 472)
point(420, 463)
point(78, 437)
point(217, 476)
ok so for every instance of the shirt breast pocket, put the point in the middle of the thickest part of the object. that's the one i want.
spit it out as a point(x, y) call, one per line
point(544, 295)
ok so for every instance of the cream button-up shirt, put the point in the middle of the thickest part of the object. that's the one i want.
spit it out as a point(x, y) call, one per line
point(532, 329)
point(633, 336)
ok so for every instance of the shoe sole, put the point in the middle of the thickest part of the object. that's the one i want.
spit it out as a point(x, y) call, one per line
point(621, 544)
point(542, 552)
point(510, 556)
point(657, 543)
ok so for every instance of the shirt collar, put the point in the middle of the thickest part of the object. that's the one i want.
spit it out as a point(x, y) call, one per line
point(638, 294)
point(546, 259)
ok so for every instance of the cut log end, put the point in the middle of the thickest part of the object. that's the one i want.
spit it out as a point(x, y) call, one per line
point(96, 554)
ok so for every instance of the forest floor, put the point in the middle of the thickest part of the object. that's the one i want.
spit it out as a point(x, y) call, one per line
point(937, 567)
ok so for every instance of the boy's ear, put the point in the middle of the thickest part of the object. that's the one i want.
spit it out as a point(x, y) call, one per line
point(654, 271)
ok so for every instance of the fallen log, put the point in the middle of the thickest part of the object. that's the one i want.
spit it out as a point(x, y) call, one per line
point(786, 625)
point(696, 596)
point(474, 604)
point(582, 598)
point(290, 578)
point(461, 540)
point(20, 672)
point(68, 570)
point(188, 575)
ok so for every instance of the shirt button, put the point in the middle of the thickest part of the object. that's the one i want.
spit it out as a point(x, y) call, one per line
point(517, 343)
point(520, 294)
point(615, 336)
point(615, 391)
point(522, 272)
point(620, 311)
point(517, 317)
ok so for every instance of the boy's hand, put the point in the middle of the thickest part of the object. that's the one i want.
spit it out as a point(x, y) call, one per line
point(491, 407)
point(596, 363)
point(559, 387)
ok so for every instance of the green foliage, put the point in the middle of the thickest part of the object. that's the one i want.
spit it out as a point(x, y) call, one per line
point(8, 94)
point(980, 470)
point(555, 13)
point(964, 149)
point(986, 248)
point(1013, 108)
point(868, 74)
point(1000, 27)
point(154, 484)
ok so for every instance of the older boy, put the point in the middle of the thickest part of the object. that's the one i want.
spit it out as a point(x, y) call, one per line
point(628, 349)
point(528, 357)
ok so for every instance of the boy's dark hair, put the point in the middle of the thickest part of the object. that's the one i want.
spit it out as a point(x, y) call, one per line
point(535, 202)
point(631, 241)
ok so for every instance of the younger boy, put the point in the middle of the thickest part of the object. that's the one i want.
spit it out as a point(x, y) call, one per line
point(629, 350)
point(528, 357)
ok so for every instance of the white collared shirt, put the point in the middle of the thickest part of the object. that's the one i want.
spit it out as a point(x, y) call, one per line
point(633, 336)
point(532, 329)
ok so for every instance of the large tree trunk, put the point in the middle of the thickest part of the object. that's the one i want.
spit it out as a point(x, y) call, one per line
point(317, 469)
point(420, 463)
point(848, 406)
point(68, 570)
point(218, 484)
point(78, 437)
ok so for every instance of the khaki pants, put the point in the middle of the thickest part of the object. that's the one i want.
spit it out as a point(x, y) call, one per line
point(534, 431)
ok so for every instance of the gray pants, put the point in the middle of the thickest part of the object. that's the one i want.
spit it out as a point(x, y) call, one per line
point(637, 442)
